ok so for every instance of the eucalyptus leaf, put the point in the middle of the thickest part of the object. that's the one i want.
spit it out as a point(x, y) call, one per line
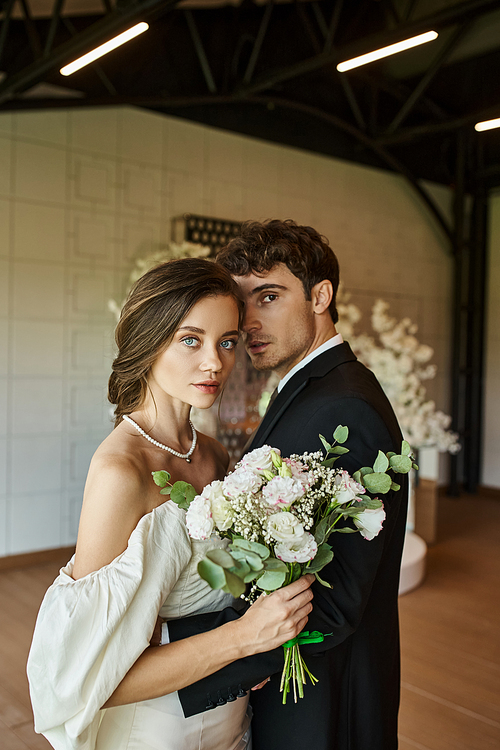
point(275, 565)
point(326, 444)
point(365, 470)
point(252, 575)
point(390, 453)
point(415, 466)
point(166, 491)
point(395, 486)
point(357, 476)
point(234, 584)
point(183, 494)
point(381, 463)
point(405, 448)
point(328, 462)
point(324, 555)
point(341, 434)
point(322, 528)
point(212, 573)
point(161, 478)
point(271, 580)
point(258, 549)
point(339, 450)
point(370, 502)
point(377, 482)
point(221, 557)
point(323, 583)
point(346, 530)
point(254, 560)
point(401, 464)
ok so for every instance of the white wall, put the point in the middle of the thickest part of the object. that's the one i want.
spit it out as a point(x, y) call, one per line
point(82, 193)
point(491, 466)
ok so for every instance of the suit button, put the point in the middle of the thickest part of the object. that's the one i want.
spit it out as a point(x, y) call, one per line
point(210, 703)
point(231, 697)
point(241, 693)
point(222, 701)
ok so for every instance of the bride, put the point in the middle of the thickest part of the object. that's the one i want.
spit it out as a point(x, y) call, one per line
point(96, 683)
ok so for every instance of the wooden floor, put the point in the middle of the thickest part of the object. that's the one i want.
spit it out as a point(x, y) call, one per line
point(449, 629)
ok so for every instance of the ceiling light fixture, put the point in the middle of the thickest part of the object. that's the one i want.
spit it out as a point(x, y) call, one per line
point(103, 49)
point(392, 49)
point(487, 124)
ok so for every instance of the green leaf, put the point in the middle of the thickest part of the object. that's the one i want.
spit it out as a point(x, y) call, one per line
point(390, 453)
point(221, 557)
point(295, 572)
point(326, 444)
point(322, 528)
point(377, 482)
point(365, 470)
point(323, 583)
point(271, 580)
point(328, 462)
point(258, 549)
point(324, 555)
point(357, 476)
point(414, 466)
point(276, 566)
point(346, 530)
point(251, 575)
point(212, 573)
point(381, 463)
point(340, 450)
point(183, 494)
point(369, 502)
point(161, 478)
point(166, 491)
point(234, 584)
point(341, 434)
point(405, 448)
point(395, 486)
point(401, 464)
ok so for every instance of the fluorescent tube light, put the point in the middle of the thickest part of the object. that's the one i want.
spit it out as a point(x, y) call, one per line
point(392, 49)
point(487, 124)
point(103, 49)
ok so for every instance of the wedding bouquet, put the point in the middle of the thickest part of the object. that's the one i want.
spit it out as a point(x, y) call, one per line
point(279, 514)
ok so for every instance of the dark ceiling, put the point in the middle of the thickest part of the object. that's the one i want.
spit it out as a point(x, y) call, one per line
point(268, 69)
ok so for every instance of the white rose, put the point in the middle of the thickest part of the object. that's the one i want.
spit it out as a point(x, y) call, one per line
point(199, 519)
point(241, 482)
point(301, 551)
point(259, 459)
point(285, 527)
point(223, 513)
point(369, 522)
point(346, 488)
point(282, 491)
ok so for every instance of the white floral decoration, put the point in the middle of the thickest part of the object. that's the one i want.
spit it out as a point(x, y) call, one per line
point(400, 363)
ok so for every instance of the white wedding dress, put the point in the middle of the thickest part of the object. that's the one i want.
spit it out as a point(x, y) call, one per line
point(89, 632)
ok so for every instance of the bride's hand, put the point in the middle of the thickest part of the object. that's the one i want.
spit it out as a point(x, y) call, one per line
point(275, 618)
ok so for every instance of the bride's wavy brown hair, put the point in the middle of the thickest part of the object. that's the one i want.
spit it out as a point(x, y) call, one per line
point(155, 307)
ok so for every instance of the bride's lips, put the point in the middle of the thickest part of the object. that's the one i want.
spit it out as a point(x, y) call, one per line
point(208, 386)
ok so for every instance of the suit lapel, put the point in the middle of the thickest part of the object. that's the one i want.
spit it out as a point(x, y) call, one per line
point(317, 368)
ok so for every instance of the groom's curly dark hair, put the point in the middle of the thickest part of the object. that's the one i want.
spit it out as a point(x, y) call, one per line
point(306, 253)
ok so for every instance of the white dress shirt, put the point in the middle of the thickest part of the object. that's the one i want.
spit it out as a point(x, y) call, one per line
point(334, 341)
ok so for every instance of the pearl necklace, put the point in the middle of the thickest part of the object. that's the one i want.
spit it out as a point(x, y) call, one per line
point(186, 456)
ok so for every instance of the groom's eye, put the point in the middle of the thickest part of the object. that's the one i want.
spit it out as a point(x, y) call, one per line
point(269, 297)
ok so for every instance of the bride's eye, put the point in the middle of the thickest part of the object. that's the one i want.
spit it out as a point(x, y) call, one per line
point(190, 341)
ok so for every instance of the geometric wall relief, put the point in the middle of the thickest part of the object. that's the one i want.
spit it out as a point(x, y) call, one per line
point(91, 293)
point(36, 464)
point(142, 189)
point(89, 407)
point(93, 181)
point(92, 236)
point(138, 240)
point(89, 349)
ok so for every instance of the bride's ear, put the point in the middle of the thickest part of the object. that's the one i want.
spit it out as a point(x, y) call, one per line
point(321, 296)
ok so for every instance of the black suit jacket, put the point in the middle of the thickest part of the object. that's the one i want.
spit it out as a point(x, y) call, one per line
point(355, 704)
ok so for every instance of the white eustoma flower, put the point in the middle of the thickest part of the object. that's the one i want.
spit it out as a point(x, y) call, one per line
point(285, 527)
point(199, 519)
point(223, 513)
point(301, 551)
point(259, 459)
point(369, 522)
point(282, 491)
point(346, 489)
point(241, 482)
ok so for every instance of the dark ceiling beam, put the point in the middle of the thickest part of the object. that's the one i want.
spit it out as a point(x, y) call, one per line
point(96, 67)
point(334, 24)
point(259, 40)
point(54, 22)
point(430, 73)
point(422, 131)
point(200, 52)
point(352, 101)
point(31, 30)
point(5, 25)
point(180, 102)
point(440, 19)
point(107, 27)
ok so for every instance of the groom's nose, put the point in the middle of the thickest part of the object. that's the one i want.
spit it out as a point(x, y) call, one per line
point(251, 320)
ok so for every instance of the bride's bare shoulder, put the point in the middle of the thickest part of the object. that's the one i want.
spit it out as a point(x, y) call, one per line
point(211, 447)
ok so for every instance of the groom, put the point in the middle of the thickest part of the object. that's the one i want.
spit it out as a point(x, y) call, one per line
point(289, 277)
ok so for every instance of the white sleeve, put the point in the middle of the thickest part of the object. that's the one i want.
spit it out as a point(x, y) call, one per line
point(89, 632)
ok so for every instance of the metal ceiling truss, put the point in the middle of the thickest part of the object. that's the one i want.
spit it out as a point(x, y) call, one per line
point(254, 67)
